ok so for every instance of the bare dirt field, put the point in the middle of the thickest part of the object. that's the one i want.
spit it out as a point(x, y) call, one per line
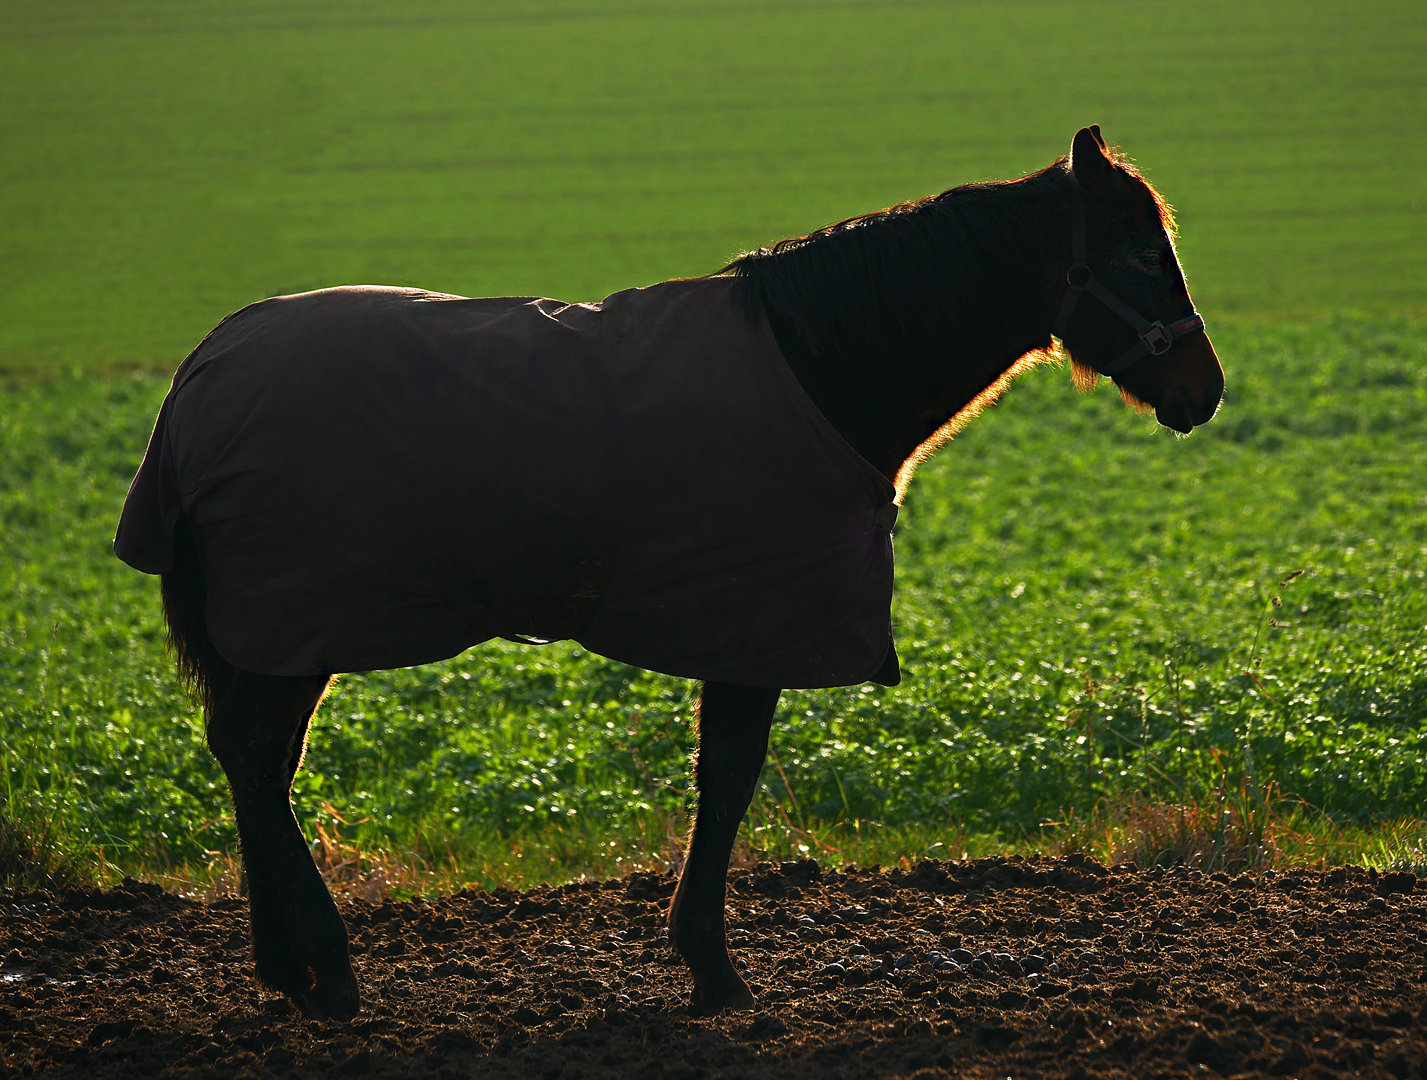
point(990, 968)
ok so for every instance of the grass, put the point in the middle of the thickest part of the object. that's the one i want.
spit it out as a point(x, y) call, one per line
point(1093, 616)
point(36, 852)
point(1100, 624)
point(168, 163)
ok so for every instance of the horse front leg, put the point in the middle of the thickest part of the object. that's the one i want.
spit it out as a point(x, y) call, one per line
point(258, 732)
point(733, 741)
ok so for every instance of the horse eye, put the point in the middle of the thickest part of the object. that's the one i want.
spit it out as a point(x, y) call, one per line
point(1152, 260)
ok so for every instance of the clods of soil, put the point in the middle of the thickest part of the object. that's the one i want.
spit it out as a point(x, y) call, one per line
point(989, 968)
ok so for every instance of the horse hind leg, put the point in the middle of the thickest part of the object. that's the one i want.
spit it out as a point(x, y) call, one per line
point(257, 730)
point(733, 741)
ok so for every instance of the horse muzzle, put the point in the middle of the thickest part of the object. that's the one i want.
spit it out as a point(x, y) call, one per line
point(1193, 386)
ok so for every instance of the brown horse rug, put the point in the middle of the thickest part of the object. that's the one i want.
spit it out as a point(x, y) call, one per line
point(382, 477)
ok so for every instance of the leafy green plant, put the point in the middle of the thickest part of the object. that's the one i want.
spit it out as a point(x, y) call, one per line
point(1085, 616)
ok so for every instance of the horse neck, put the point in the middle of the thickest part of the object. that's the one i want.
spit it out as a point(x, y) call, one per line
point(889, 401)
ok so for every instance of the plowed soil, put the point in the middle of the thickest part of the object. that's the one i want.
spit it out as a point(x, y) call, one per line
point(991, 968)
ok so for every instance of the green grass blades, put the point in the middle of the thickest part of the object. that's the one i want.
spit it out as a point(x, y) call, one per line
point(165, 164)
point(1089, 611)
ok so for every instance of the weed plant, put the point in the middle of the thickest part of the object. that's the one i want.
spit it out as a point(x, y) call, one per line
point(1093, 616)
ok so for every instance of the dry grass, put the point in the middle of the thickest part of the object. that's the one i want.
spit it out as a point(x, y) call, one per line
point(1222, 835)
point(32, 855)
point(1235, 832)
point(350, 870)
point(354, 872)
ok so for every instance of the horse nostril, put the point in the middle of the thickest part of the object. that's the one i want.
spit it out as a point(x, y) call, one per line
point(1204, 409)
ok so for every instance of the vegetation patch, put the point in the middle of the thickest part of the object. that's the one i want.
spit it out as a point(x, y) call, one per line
point(1115, 641)
point(1089, 612)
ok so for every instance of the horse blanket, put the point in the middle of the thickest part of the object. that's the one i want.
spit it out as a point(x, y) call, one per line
point(382, 477)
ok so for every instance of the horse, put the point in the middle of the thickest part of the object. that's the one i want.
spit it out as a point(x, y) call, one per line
point(699, 477)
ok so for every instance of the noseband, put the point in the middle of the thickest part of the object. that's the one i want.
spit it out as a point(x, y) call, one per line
point(1155, 337)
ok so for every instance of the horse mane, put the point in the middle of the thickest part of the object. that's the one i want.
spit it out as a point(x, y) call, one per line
point(1162, 206)
point(906, 277)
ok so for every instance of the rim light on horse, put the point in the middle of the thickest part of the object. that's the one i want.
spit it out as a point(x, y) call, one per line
point(868, 344)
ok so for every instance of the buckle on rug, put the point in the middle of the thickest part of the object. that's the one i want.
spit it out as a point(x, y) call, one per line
point(884, 517)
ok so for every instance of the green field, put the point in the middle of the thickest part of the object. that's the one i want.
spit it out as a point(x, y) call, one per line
point(166, 163)
point(1060, 539)
point(1085, 606)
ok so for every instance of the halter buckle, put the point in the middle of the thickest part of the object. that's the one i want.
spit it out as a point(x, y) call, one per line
point(1158, 338)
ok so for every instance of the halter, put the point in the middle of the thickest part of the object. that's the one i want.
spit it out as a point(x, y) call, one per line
point(1155, 337)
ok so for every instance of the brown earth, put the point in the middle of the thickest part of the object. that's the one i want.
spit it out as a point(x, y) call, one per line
point(1085, 971)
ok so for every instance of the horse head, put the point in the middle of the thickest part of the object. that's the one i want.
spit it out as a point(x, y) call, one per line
point(1126, 311)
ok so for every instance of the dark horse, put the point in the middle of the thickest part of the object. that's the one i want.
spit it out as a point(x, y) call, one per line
point(289, 553)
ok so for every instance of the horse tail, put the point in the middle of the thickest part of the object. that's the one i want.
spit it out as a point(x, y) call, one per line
point(204, 673)
point(155, 536)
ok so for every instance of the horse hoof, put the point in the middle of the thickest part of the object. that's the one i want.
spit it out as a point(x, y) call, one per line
point(733, 999)
point(341, 1002)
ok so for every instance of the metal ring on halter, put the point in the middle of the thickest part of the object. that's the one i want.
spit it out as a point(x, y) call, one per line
point(1159, 338)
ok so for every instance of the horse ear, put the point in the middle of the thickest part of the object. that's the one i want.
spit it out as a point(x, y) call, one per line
point(1088, 159)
